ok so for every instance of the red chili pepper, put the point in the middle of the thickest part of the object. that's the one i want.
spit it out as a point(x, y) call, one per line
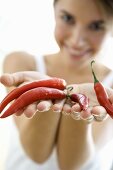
point(81, 99)
point(31, 96)
point(102, 94)
point(52, 82)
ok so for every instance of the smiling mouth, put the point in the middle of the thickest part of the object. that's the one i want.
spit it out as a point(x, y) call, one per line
point(78, 55)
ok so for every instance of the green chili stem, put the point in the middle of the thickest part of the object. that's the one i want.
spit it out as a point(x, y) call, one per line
point(70, 88)
point(95, 78)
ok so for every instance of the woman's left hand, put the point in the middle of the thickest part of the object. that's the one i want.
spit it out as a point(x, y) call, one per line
point(94, 111)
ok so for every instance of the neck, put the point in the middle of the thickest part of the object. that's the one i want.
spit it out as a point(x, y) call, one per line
point(77, 67)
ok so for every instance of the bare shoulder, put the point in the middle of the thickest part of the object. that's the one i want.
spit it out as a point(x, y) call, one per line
point(50, 58)
point(101, 70)
point(19, 61)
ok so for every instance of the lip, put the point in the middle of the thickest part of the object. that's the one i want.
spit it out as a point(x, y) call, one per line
point(75, 54)
point(78, 54)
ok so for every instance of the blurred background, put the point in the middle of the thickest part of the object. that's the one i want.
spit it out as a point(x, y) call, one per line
point(25, 25)
point(28, 25)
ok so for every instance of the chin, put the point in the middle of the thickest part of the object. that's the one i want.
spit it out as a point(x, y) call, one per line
point(79, 63)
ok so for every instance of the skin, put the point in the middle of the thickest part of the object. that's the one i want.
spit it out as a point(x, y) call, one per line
point(80, 36)
point(79, 33)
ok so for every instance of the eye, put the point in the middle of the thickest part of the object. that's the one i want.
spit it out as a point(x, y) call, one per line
point(97, 26)
point(68, 19)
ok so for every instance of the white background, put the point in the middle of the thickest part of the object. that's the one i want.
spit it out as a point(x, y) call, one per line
point(25, 25)
point(28, 25)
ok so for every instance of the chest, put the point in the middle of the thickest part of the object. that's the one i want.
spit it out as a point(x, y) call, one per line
point(76, 77)
point(54, 69)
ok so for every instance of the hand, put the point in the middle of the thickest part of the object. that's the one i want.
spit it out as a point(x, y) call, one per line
point(94, 111)
point(42, 127)
point(20, 78)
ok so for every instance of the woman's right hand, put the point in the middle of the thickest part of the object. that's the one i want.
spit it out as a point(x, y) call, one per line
point(21, 78)
point(42, 127)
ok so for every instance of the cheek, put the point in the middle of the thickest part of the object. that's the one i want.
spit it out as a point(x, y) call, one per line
point(97, 42)
point(61, 34)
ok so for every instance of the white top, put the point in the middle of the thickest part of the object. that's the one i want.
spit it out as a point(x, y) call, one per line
point(18, 160)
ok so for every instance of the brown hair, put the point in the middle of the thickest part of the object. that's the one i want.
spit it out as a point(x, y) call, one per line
point(55, 1)
point(105, 5)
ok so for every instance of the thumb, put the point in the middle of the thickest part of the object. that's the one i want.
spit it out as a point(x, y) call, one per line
point(17, 78)
point(6, 79)
point(13, 79)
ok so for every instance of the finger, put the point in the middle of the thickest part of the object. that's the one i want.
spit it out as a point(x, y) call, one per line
point(19, 113)
point(58, 105)
point(30, 110)
point(44, 105)
point(111, 98)
point(76, 108)
point(75, 111)
point(99, 113)
point(19, 77)
point(6, 79)
point(75, 115)
point(13, 79)
point(86, 115)
point(66, 109)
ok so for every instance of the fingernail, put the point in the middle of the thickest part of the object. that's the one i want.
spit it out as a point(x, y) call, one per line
point(65, 113)
point(57, 108)
point(88, 119)
point(100, 118)
point(57, 111)
point(43, 110)
point(75, 115)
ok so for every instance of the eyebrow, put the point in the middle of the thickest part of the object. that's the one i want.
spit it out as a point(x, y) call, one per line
point(65, 12)
point(98, 21)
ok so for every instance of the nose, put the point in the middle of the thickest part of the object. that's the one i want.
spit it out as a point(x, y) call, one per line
point(78, 37)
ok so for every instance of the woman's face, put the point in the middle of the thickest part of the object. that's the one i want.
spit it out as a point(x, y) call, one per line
point(80, 29)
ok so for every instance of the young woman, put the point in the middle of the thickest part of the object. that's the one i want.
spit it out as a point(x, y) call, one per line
point(81, 29)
